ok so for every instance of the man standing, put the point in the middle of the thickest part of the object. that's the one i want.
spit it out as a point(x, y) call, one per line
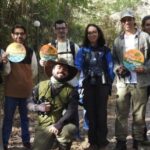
point(66, 48)
point(18, 87)
point(131, 85)
point(50, 99)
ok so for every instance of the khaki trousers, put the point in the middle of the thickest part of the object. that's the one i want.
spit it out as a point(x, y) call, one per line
point(134, 97)
point(44, 139)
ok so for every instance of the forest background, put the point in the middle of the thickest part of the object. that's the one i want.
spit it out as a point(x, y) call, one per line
point(38, 16)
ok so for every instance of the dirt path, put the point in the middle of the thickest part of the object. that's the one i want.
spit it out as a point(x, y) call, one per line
point(15, 140)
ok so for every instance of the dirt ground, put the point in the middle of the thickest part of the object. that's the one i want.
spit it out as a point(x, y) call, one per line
point(15, 140)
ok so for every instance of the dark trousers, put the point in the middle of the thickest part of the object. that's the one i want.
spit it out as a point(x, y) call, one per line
point(10, 106)
point(95, 102)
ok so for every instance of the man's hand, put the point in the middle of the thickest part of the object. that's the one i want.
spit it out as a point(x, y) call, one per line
point(120, 70)
point(139, 70)
point(4, 57)
point(44, 107)
point(53, 129)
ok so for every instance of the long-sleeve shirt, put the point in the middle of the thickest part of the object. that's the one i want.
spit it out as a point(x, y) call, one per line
point(69, 113)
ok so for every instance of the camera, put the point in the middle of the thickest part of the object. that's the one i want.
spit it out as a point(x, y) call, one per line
point(41, 101)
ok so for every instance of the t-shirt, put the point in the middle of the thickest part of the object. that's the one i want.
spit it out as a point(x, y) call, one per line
point(130, 44)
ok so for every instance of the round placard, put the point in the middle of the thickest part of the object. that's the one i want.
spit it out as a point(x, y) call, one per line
point(16, 52)
point(133, 58)
point(48, 52)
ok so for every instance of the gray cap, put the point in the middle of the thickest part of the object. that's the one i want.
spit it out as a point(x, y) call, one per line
point(126, 13)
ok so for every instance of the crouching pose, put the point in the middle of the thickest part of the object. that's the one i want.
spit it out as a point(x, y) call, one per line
point(57, 104)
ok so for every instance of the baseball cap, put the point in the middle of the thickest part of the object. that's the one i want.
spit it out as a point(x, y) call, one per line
point(126, 13)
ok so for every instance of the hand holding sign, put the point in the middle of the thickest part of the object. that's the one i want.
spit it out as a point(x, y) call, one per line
point(133, 59)
point(48, 52)
point(16, 52)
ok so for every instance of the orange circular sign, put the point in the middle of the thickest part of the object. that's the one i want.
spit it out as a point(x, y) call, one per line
point(133, 58)
point(48, 52)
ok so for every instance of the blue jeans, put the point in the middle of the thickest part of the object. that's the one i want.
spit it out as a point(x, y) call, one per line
point(10, 105)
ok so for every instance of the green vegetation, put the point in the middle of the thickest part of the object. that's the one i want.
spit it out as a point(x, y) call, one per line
point(78, 13)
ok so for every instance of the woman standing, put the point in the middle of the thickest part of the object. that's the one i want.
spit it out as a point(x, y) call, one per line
point(146, 24)
point(95, 60)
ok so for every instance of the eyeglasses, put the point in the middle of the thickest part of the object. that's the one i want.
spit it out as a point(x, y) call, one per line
point(19, 33)
point(126, 19)
point(92, 32)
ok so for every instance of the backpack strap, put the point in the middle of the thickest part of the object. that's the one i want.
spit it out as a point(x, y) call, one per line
point(72, 48)
point(53, 42)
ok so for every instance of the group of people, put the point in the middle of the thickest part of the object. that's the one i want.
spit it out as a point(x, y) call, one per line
point(56, 99)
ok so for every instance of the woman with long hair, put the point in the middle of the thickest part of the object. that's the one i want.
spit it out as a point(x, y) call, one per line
point(94, 59)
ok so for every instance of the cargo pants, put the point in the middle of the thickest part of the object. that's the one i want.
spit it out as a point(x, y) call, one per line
point(44, 139)
point(130, 96)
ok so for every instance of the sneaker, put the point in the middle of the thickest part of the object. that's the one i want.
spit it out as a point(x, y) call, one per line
point(121, 145)
point(27, 145)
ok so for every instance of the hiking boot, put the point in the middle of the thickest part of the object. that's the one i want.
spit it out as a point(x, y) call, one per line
point(121, 145)
point(27, 145)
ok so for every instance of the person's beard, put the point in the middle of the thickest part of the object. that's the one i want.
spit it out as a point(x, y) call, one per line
point(61, 79)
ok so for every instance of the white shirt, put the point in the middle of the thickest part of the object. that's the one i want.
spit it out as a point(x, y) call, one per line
point(130, 44)
point(65, 47)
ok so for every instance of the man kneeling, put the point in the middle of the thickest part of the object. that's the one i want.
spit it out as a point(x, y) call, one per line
point(57, 104)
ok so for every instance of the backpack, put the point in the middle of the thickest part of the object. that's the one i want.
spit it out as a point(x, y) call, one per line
point(72, 48)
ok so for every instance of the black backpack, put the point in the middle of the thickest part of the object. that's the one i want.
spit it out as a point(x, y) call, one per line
point(72, 47)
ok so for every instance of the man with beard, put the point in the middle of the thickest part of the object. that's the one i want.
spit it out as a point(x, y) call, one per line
point(56, 102)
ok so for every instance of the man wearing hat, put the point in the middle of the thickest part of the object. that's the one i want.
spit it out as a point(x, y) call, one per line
point(50, 99)
point(131, 85)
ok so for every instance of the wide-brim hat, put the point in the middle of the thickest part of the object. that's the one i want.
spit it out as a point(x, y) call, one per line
point(48, 67)
point(127, 13)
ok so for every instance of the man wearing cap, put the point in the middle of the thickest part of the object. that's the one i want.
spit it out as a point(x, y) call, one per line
point(131, 85)
point(18, 84)
point(50, 99)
